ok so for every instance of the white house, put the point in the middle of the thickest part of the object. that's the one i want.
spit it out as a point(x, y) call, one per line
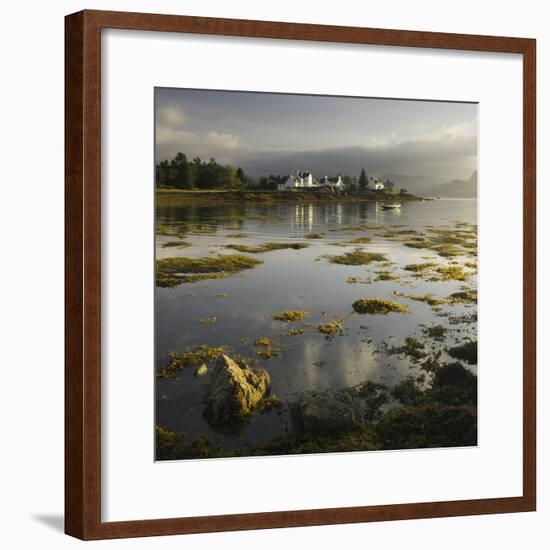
point(298, 180)
point(377, 184)
point(333, 183)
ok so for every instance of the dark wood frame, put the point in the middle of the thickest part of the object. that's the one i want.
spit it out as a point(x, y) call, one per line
point(83, 274)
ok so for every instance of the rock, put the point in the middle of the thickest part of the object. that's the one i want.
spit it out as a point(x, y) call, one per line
point(234, 392)
point(201, 370)
point(326, 411)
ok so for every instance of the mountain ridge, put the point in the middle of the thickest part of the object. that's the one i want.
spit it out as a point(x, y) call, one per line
point(433, 186)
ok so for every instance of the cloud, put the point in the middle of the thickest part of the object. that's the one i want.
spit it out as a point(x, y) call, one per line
point(454, 133)
point(170, 132)
point(223, 141)
point(170, 116)
point(168, 137)
point(224, 147)
point(173, 134)
point(381, 142)
point(449, 151)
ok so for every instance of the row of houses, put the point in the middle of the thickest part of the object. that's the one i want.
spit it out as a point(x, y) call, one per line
point(300, 180)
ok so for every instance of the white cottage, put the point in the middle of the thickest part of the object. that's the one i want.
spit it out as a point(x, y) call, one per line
point(377, 184)
point(333, 183)
point(298, 180)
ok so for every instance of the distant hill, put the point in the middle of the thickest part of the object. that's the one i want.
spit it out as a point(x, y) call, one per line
point(459, 189)
point(417, 185)
point(430, 186)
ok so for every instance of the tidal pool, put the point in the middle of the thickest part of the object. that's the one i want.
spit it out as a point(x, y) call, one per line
point(236, 310)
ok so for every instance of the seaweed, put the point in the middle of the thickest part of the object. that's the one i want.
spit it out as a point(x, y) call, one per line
point(464, 297)
point(289, 316)
point(428, 424)
point(297, 331)
point(437, 332)
point(357, 257)
point(176, 244)
point(378, 306)
point(444, 414)
point(414, 244)
point(387, 276)
point(449, 273)
point(307, 443)
point(271, 403)
point(447, 250)
point(465, 352)
point(411, 348)
point(174, 271)
point(332, 328)
point(267, 247)
point(408, 391)
point(267, 348)
point(168, 444)
point(462, 319)
point(375, 396)
point(191, 357)
point(358, 240)
point(420, 269)
point(429, 299)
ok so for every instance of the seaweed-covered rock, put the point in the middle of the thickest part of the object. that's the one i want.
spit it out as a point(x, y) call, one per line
point(234, 391)
point(465, 352)
point(201, 370)
point(326, 411)
point(379, 306)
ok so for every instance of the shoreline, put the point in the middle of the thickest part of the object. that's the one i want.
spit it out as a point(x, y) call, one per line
point(165, 195)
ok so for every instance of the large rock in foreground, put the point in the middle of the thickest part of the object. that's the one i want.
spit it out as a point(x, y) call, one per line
point(234, 392)
point(326, 411)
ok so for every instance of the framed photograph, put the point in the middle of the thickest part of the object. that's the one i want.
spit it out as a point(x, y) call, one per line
point(300, 275)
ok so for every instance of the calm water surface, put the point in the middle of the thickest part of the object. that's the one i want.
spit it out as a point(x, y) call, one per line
point(243, 305)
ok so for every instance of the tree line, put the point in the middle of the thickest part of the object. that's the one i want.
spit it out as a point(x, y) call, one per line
point(181, 173)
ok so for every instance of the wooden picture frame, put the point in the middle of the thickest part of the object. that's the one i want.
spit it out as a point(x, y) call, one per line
point(83, 274)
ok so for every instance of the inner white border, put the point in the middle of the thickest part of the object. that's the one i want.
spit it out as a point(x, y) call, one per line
point(133, 486)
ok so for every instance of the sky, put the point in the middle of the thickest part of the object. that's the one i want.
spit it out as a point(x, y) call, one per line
point(327, 135)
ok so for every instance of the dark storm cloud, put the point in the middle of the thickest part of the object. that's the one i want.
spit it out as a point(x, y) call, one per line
point(279, 133)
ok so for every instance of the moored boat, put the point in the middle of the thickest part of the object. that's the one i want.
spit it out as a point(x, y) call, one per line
point(391, 206)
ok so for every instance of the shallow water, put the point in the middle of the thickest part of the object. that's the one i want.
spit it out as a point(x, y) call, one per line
point(243, 305)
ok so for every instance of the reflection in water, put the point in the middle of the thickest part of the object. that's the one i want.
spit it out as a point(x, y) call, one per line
point(303, 218)
point(387, 216)
point(243, 305)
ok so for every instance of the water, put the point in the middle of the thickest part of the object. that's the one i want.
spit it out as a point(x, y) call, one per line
point(289, 279)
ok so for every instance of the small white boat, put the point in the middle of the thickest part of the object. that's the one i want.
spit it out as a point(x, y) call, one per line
point(391, 206)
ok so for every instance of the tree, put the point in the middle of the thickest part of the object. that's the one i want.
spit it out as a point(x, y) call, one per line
point(389, 185)
point(231, 177)
point(180, 174)
point(274, 180)
point(403, 192)
point(263, 183)
point(363, 180)
point(162, 173)
point(240, 175)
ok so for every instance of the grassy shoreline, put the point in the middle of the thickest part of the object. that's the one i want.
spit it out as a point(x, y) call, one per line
point(166, 196)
